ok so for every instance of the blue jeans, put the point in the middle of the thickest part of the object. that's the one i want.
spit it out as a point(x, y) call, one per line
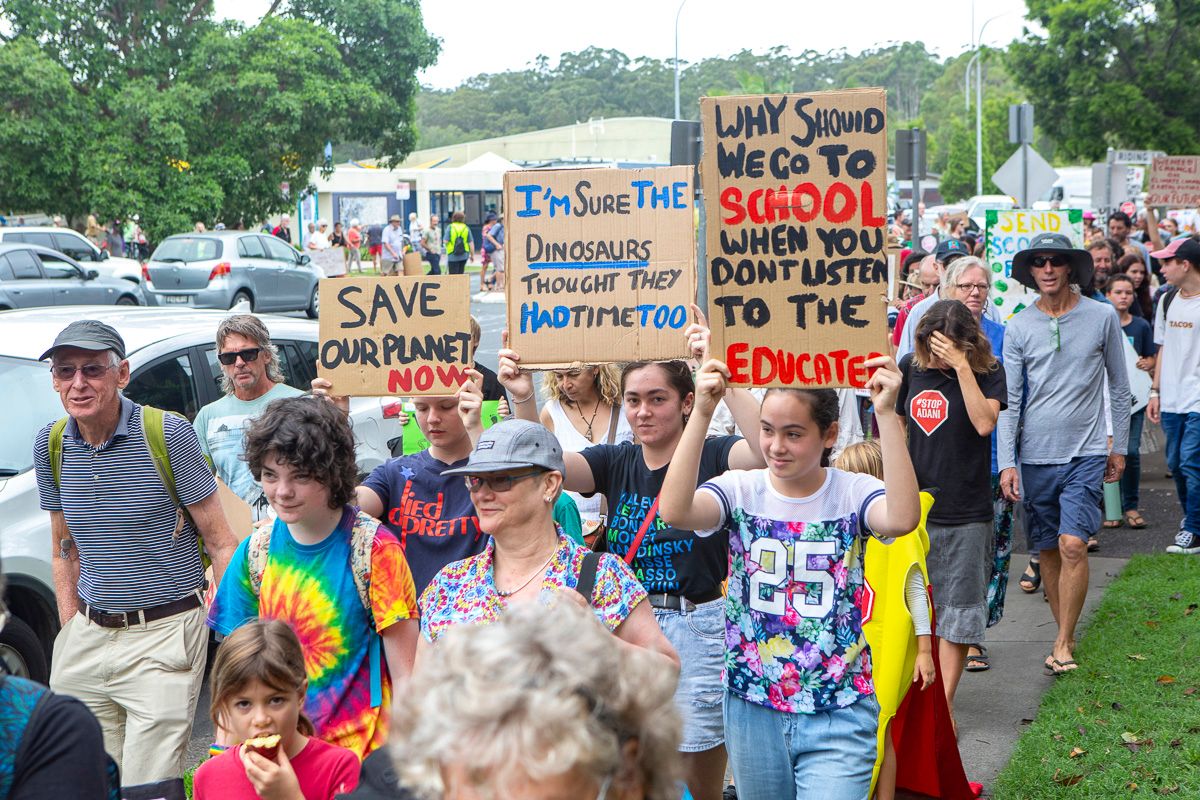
point(1183, 459)
point(776, 755)
point(1131, 478)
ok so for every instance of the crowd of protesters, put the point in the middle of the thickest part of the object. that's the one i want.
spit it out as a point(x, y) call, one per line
point(651, 579)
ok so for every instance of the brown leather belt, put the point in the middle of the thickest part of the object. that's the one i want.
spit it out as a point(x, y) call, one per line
point(673, 602)
point(123, 619)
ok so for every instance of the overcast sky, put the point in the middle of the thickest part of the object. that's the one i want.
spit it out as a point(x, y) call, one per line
point(480, 36)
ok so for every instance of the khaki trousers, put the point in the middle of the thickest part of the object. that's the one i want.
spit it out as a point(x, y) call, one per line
point(142, 684)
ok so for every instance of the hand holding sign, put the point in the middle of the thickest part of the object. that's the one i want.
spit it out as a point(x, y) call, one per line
point(884, 384)
point(698, 335)
point(320, 388)
point(470, 404)
point(711, 382)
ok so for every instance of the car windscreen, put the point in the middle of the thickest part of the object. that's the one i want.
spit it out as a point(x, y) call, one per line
point(31, 402)
point(186, 249)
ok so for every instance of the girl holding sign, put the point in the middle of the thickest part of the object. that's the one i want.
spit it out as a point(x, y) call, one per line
point(800, 712)
point(681, 572)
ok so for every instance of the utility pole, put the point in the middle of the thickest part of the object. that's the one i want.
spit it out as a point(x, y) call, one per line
point(677, 13)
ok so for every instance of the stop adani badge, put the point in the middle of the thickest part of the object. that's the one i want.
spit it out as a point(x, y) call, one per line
point(929, 410)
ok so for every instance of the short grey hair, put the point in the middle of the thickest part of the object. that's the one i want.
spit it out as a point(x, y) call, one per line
point(541, 692)
point(957, 267)
point(252, 328)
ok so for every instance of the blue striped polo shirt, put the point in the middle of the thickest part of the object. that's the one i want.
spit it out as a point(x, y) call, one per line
point(120, 515)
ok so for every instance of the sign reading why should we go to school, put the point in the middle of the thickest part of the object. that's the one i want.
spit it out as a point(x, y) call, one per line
point(1009, 232)
point(405, 336)
point(796, 202)
point(601, 264)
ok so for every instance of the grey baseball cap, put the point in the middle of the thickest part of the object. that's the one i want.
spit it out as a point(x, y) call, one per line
point(88, 334)
point(513, 444)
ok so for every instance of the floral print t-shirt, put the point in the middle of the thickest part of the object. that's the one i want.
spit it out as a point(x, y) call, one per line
point(465, 591)
point(312, 589)
point(793, 626)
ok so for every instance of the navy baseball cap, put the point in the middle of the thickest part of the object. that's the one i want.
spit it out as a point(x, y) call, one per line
point(948, 250)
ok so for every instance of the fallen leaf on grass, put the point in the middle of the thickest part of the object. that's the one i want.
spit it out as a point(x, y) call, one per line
point(1058, 737)
point(1129, 738)
point(1117, 706)
point(1066, 780)
point(1191, 690)
point(1177, 596)
point(1176, 743)
point(1191, 609)
point(1131, 786)
point(1026, 721)
point(1152, 624)
point(1076, 752)
point(1136, 657)
point(1172, 789)
point(1133, 747)
point(1165, 679)
point(1082, 730)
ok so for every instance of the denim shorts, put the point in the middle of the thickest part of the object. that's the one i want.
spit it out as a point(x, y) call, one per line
point(699, 638)
point(1062, 499)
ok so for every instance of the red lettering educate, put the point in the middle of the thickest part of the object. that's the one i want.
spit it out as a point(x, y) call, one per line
point(762, 366)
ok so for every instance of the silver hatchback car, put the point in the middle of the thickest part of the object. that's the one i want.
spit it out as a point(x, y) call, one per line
point(224, 268)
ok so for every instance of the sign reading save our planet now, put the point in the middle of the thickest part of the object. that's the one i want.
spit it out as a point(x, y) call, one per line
point(601, 264)
point(407, 336)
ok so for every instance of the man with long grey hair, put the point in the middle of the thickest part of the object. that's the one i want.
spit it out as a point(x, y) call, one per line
point(250, 378)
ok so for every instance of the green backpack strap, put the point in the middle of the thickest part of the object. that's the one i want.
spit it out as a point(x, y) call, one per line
point(154, 431)
point(56, 450)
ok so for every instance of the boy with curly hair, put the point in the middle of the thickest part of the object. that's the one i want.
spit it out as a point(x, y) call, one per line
point(337, 577)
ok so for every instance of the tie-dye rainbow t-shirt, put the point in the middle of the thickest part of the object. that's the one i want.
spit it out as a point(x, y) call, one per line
point(311, 588)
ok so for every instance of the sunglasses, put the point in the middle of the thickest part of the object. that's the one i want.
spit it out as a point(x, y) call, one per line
point(496, 483)
point(66, 372)
point(1056, 260)
point(247, 355)
point(1054, 332)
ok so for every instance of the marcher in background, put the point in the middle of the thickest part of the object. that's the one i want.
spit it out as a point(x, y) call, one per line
point(495, 235)
point(338, 237)
point(394, 243)
point(375, 246)
point(116, 243)
point(318, 236)
point(1143, 302)
point(128, 576)
point(354, 242)
point(327, 570)
point(251, 379)
point(1090, 229)
point(284, 229)
point(431, 243)
point(94, 232)
point(1104, 260)
point(459, 244)
point(1175, 393)
point(1056, 354)
point(1120, 293)
point(491, 703)
point(486, 281)
point(415, 229)
point(1120, 225)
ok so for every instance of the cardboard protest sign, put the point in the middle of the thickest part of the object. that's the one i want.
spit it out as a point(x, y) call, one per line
point(332, 261)
point(415, 441)
point(1009, 232)
point(1174, 182)
point(395, 335)
point(795, 189)
point(601, 264)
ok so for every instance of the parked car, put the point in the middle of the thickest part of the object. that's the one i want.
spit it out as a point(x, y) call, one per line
point(173, 365)
point(79, 247)
point(36, 277)
point(224, 268)
point(980, 204)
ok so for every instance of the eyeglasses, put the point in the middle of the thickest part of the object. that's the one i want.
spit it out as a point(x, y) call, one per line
point(1056, 260)
point(970, 288)
point(496, 483)
point(247, 355)
point(66, 372)
point(1055, 333)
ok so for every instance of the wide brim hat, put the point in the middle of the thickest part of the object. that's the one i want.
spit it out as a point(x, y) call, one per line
point(1081, 264)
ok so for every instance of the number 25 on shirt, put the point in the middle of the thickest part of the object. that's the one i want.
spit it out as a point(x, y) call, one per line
point(812, 588)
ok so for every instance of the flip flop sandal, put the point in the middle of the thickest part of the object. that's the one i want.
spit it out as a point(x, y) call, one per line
point(1093, 544)
point(1113, 523)
point(1031, 578)
point(979, 663)
point(1060, 668)
point(1134, 519)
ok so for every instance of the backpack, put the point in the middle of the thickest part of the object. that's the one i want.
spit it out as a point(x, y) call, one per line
point(154, 433)
point(1166, 299)
point(458, 239)
point(362, 540)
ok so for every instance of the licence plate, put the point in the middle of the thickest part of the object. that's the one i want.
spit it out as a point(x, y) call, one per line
point(181, 299)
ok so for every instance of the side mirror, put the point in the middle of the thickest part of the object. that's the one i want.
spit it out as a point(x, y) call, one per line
point(91, 274)
point(304, 259)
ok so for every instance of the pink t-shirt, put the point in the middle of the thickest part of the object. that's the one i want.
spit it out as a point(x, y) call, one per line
point(323, 770)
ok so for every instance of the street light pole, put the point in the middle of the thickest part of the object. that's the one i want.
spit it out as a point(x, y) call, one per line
point(975, 60)
point(677, 13)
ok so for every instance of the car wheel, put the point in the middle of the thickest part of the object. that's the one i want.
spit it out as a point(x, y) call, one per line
point(314, 304)
point(127, 300)
point(22, 653)
point(242, 296)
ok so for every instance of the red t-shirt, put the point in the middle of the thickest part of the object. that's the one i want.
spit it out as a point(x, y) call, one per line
point(323, 770)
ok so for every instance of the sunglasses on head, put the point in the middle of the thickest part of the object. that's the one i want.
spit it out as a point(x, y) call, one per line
point(1056, 260)
point(247, 355)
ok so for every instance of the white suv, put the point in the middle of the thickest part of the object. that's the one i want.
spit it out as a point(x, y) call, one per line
point(79, 247)
point(173, 365)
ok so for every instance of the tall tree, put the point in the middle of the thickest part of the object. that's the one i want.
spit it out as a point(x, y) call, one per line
point(1113, 73)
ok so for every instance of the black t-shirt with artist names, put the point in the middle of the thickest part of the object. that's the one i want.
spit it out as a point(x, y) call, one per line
point(947, 452)
point(669, 560)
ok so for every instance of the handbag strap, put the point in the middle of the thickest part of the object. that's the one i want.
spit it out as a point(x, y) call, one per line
point(587, 575)
point(641, 534)
point(610, 439)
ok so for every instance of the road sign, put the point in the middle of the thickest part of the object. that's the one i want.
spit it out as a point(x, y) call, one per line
point(1124, 184)
point(1020, 123)
point(1136, 156)
point(910, 154)
point(1026, 176)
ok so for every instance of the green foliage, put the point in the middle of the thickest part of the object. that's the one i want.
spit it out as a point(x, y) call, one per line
point(1126, 722)
point(1116, 73)
point(150, 106)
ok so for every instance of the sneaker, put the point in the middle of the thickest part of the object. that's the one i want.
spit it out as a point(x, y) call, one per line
point(730, 793)
point(1186, 543)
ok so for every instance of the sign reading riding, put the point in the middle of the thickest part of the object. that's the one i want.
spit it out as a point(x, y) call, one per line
point(601, 264)
point(795, 189)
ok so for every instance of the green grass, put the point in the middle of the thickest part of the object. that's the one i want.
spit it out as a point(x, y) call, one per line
point(1132, 707)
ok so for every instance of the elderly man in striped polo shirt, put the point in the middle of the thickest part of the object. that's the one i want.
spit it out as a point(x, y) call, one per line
point(127, 571)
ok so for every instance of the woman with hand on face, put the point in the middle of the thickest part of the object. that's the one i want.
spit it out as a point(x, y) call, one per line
point(682, 572)
point(951, 397)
